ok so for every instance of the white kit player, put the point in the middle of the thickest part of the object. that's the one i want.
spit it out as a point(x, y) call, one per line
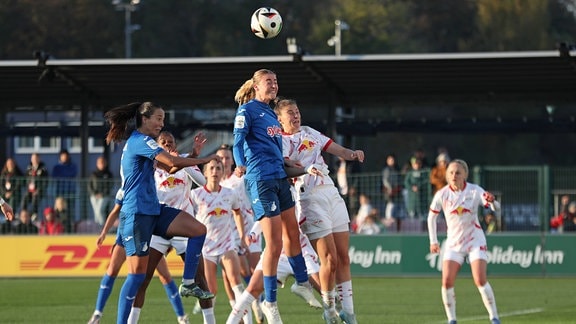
point(323, 216)
point(256, 285)
point(215, 206)
point(460, 200)
point(248, 257)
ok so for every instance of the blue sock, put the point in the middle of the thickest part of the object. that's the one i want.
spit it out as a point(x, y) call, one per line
point(174, 298)
point(106, 285)
point(270, 288)
point(299, 267)
point(193, 253)
point(247, 279)
point(127, 295)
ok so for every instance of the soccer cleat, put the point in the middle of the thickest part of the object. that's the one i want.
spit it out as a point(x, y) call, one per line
point(95, 319)
point(331, 317)
point(495, 321)
point(257, 310)
point(183, 319)
point(195, 291)
point(271, 312)
point(347, 318)
point(305, 292)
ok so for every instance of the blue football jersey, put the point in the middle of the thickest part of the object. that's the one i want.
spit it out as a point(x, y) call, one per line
point(258, 132)
point(137, 172)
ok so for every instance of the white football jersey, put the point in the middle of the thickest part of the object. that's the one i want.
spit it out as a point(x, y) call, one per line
point(461, 211)
point(214, 210)
point(173, 189)
point(237, 184)
point(306, 146)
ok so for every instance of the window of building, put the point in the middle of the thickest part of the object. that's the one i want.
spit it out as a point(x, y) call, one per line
point(74, 145)
point(36, 144)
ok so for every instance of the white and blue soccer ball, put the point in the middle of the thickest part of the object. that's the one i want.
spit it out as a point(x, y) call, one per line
point(266, 22)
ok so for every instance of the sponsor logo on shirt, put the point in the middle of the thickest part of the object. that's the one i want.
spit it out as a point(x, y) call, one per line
point(306, 145)
point(274, 131)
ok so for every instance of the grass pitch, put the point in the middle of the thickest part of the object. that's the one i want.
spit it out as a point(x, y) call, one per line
point(377, 300)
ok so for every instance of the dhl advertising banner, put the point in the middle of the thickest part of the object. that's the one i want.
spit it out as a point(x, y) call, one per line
point(61, 256)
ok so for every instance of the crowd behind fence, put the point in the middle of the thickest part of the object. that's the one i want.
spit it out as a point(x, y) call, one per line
point(530, 197)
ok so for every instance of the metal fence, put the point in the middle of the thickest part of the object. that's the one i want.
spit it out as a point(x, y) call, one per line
point(530, 196)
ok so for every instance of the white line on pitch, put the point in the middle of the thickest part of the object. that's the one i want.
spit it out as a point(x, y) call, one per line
point(508, 314)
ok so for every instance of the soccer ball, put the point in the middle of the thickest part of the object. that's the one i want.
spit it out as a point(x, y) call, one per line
point(266, 22)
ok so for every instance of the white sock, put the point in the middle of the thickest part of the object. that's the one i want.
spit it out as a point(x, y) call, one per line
point(134, 315)
point(489, 300)
point(345, 292)
point(240, 308)
point(238, 290)
point(208, 314)
point(188, 281)
point(449, 300)
point(328, 300)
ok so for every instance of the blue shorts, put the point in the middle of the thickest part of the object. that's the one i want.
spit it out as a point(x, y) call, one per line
point(269, 197)
point(119, 240)
point(136, 229)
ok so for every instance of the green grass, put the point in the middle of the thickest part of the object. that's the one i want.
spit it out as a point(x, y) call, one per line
point(377, 300)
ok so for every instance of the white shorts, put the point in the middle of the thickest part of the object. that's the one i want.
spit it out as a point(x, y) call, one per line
point(213, 258)
point(161, 244)
point(475, 253)
point(324, 211)
point(285, 270)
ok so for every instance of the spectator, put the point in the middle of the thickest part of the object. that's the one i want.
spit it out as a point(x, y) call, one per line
point(37, 176)
point(438, 172)
point(50, 225)
point(366, 209)
point(419, 154)
point(99, 187)
point(25, 225)
point(489, 222)
point(569, 219)
point(11, 177)
point(347, 182)
point(392, 189)
point(62, 173)
point(369, 226)
point(417, 184)
point(62, 214)
point(566, 220)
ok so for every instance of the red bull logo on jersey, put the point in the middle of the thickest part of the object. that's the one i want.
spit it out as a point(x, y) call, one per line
point(171, 182)
point(306, 145)
point(460, 210)
point(274, 131)
point(218, 212)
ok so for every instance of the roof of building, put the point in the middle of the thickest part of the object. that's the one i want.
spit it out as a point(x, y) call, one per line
point(335, 80)
point(358, 81)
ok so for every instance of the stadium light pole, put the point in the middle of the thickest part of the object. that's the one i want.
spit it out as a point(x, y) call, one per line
point(336, 40)
point(128, 8)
